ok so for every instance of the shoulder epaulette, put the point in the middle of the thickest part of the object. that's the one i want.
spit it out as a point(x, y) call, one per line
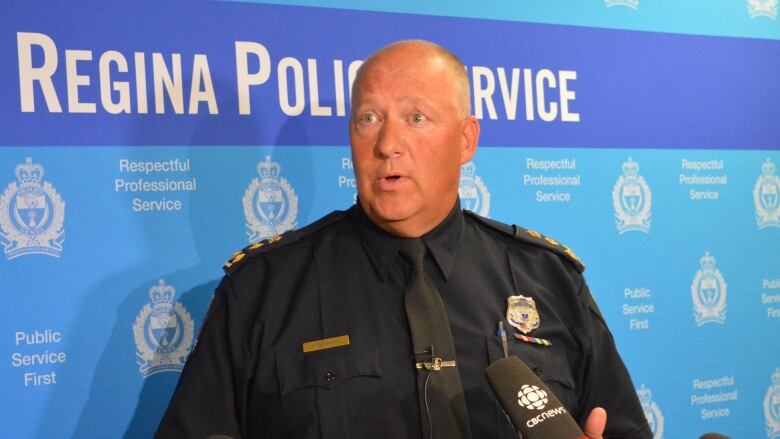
point(266, 245)
point(531, 237)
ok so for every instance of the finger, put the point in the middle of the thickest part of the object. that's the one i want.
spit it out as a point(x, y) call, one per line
point(597, 421)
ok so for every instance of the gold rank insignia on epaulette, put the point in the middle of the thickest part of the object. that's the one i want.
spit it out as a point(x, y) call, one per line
point(248, 251)
point(532, 237)
point(553, 245)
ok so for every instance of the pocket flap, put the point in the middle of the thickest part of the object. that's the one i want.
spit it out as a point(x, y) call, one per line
point(326, 369)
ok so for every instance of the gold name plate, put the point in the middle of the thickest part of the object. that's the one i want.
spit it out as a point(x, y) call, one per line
point(326, 343)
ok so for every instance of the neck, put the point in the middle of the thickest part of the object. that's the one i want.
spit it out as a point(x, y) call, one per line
point(414, 227)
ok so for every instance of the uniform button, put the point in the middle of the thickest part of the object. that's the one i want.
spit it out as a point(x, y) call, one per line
point(330, 376)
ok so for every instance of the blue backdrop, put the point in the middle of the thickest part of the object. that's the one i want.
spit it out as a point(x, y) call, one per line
point(140, 143)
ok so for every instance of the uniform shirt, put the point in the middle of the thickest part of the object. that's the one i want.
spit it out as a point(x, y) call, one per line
point(249, 377)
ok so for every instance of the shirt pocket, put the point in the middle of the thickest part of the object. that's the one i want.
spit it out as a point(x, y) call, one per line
point(549, 365)
point(334, 393)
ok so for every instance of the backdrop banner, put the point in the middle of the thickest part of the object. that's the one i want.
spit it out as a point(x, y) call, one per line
point(140, 141)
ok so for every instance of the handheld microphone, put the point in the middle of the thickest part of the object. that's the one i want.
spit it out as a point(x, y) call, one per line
point(530, 405)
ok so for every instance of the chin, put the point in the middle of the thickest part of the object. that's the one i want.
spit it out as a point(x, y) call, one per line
point(390, 211)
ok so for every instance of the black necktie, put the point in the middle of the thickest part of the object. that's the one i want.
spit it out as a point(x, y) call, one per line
point(442, 403)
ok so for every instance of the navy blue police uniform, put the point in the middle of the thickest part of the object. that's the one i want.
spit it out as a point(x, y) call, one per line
point(249, 375)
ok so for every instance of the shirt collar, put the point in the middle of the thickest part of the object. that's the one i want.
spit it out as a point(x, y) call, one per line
point(382, 247)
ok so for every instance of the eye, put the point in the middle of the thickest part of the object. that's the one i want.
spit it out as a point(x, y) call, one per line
point(367, 118)
point(418, 118)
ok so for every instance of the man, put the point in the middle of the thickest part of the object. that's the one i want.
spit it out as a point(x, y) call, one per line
point(312, 334)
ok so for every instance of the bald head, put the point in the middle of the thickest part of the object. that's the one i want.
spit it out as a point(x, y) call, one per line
point(403, 51)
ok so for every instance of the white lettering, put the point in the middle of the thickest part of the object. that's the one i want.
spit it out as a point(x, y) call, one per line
point(244, 78)
point(284, 98)
point(28, 74)
point(107, 86)
point(171, 82)
point(72, 57)
point(314, 91)
point(201, 74)
point(483, 94)
point(547, 76)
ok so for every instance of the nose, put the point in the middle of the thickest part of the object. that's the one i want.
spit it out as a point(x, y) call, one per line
point(390, 142)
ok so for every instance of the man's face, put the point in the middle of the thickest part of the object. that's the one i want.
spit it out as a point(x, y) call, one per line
point(409, 138)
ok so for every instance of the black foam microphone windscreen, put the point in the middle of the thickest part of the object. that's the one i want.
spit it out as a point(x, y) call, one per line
point(530, 405)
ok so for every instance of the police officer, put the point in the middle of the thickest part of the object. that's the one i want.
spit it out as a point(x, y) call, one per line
point(308, 335)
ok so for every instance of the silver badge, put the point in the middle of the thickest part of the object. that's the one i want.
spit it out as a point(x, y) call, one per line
point(521, 313)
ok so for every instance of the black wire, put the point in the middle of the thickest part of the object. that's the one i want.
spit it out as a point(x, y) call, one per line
point(427, 409)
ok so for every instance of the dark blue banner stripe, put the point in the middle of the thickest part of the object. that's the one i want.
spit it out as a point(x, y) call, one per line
point(627, 89)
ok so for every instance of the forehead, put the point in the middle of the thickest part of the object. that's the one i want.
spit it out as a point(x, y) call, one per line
point(408, 74)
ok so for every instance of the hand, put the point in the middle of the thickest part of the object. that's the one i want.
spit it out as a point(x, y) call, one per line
point(594, 426)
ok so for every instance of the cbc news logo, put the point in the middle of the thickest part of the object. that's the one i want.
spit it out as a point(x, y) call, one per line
point(531, 397)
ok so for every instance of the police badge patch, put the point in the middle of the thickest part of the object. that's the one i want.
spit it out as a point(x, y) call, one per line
point(708, 290)
point(472, 191)
point(772, 407)
point(653, 414)
point(765, 196)
point(631, 198)
point(163, 332)
point(270, 203)
point(521, 313)
point(32, 214)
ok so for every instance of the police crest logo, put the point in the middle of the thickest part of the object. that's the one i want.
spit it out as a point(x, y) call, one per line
point(633, 4)
point(766, 8)
point(772, 407)
point(163, 332)
point(655, 418)
point(631, 198)
point(474, 195)
point(521, 313)
point(765, 196)
point(32, 214)
point(708, 290)
point(270, 203)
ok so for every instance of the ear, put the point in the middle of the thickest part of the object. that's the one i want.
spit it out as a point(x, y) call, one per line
point(470, 139)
